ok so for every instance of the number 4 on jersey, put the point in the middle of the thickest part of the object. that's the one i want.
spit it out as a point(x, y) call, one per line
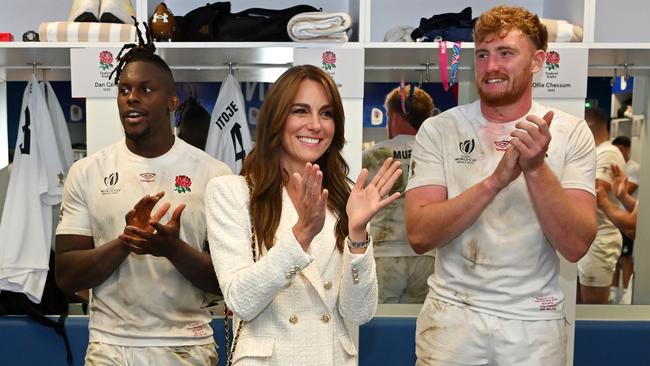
point(237, 142)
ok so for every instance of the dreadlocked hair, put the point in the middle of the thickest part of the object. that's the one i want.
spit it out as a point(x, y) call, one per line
point(143, 51)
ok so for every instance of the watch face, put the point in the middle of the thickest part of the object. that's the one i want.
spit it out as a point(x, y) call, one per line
point(30, 36)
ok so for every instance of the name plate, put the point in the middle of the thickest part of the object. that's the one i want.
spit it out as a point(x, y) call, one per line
point(89, 71)
point(563, 75)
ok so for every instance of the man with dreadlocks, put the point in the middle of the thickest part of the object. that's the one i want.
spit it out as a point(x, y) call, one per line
point(149, 276)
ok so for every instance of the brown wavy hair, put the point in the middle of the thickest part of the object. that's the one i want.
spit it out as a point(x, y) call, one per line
point(502, 19)
point(262, 167)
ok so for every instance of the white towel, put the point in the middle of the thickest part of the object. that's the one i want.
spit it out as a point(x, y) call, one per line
point(86, 32)
point(319, 26)
point(562, 31)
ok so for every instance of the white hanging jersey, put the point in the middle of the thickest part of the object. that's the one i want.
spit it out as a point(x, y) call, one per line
point(502, 264)
point(229, 138)
point(35, 185)
point(59, 124)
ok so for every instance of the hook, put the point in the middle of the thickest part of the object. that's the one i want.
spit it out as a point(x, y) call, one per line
point(427, 70)
point(229, 68)
point(34, 65)
point(626, 71)
point(612, 82)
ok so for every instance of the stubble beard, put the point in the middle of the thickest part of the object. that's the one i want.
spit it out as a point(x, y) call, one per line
point(508, 97)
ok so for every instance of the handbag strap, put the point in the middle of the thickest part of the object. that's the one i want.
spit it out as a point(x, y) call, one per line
point(230, 349)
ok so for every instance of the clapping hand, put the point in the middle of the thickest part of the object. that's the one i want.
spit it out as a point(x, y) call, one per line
point(507, 170)
point(619, 181)
point(140, 215)
point(144, 234)
point(366, 200)
point(310, 201)
point(531, 138)
point(601, 196)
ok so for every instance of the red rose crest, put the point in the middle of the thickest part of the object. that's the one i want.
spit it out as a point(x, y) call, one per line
point(182, 184)
point(552, 61)
point(105, 60)
point(329, 61)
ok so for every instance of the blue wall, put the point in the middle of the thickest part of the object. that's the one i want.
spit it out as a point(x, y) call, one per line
point(383, 341)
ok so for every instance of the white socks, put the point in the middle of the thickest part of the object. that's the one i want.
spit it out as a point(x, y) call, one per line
point(613, 295)
point(626, 298)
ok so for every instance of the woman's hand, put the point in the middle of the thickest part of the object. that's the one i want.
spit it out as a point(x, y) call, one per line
point(310, 201)
point(365, 201)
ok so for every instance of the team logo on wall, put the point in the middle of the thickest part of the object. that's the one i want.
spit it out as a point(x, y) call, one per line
point(552, 61)
point(105, 60)
point(182, 184)
point(147, 177)
point(110, 181)
point(466, 148)
point(329, 62)
point(105, 64)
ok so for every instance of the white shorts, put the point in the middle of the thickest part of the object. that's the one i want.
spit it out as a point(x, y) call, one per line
point(597, 267)
point(403, 280)
point(452, 335)
point(102, 354)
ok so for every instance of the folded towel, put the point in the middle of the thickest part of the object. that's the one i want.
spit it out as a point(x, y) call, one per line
point(85, 32)
point(318, 26)
point(562, 31)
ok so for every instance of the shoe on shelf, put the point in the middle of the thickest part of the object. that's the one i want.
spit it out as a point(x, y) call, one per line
point(84, 11)
point(116, 11)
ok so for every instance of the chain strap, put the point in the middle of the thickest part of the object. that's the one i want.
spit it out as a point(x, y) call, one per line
point(230, 349)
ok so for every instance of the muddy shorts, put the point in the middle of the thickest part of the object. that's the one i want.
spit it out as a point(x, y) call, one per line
point(447, 334)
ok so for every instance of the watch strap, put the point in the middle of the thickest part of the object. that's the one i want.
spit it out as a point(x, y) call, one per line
point(359, 244)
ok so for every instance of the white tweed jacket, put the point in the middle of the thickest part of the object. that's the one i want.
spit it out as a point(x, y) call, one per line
point(294, 303)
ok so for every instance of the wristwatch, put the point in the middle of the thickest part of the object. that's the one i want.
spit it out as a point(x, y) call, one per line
point(30, 36)
point(359, 244)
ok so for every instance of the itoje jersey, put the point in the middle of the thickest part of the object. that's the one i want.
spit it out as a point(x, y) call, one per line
point(35, 185)
point(229, 139)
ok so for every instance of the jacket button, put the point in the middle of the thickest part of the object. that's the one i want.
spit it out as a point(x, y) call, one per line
point(325, 318)
point(327, 285)
point(293, 319)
